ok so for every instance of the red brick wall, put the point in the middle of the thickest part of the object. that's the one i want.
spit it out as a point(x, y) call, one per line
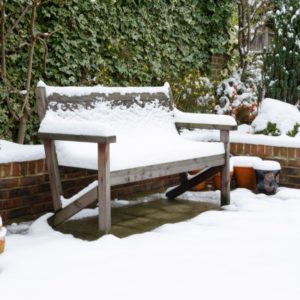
point(289, 159)
point(25, 190)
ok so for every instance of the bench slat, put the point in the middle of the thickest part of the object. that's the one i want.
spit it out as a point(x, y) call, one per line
point(77, 138)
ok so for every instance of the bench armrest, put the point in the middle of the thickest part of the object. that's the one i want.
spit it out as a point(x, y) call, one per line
point(77, 137)
point(204, 121)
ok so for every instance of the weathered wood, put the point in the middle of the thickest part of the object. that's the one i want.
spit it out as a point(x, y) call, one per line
point(73, 208)
point(114, 99)
point(77, 137)
point(40, 94)
point(165, 169)
point(104, 188)
point(205, 126)
point(53, 172)
point(225, 173)
point(187, 185)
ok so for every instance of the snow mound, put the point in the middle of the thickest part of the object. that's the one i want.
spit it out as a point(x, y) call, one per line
point(11, 152)
point(245, 161)
point(267, 165)
point(283, 114)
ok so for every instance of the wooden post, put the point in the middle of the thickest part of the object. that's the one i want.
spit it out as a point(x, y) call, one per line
point(53, 172)
point(225, 173)
point(104, 188)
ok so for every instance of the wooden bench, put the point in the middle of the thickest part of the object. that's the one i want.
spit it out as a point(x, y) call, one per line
point(78, 124)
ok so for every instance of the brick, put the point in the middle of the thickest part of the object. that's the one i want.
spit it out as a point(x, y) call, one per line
point(298, 153)
point(283, 152)
point(240, 148)
point(291, 153)
point(41, 208)
point(16, 169)
point(260, 150)
point(291, 171)
point(268, 152)
point(18, 212)
point(32, 180)
point(294, 180)
point(7, 183)
point(32, 167)
point(233, 148)
point(41, 166)
point(276, 151)
point(5, 170)
point(247, 149)
point(23, 168)
point(4, 193)
point(253, 150)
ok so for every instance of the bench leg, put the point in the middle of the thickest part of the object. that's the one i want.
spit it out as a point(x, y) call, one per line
point(53, 172)
point(104, 189)
point(225, 173)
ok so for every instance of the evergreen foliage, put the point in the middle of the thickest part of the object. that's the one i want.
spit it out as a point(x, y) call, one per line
point(132, 42)
point(282, 62)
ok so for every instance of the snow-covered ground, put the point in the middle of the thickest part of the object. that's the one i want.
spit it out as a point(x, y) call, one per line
point(248, 251)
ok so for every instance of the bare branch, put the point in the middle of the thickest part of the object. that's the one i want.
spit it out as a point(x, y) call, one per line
point(16, 23)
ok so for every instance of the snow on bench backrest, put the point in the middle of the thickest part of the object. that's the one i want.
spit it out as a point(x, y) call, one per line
point(128, 111)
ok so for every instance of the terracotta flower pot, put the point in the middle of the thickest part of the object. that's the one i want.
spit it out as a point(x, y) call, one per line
point(200, 186)
point(245, 177)
point(2, 245)
point(2, 236)
point(244, 172)
point(217, 180)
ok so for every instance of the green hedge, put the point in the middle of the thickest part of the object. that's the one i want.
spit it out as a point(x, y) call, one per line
point(132, 42)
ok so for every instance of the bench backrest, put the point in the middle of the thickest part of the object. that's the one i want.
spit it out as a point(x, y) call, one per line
point(131, 108)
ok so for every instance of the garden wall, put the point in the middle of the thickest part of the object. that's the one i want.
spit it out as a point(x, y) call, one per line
point(25, 192)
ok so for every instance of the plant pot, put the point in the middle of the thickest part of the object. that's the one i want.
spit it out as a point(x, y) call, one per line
point(200, 186)
point(2, 238)
point(217, 180)
point(267, 176)
point(245, 177)
point(2, 246)
point(244, 172)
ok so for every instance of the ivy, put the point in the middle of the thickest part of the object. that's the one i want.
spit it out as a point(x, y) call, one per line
point(110, 42)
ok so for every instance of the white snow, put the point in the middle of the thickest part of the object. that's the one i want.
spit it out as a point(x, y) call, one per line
point(71, 122)
point(204, 118)
point(283, 114)
point(2, 233)
point(11, 152)
point(267, 165)
point(71, 91)
point(145, 136)
point(248, 251)
point(245, 161)
point(244, 135)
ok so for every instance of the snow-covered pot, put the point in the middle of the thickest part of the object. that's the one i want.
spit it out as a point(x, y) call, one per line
point(244, 172)
point(2, 236)
point(267, 176)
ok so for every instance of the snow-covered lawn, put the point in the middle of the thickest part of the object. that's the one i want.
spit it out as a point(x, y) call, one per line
point(248, 251)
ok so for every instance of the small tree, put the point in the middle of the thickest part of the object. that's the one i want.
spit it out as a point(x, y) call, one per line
point(282, 62)
point(253, 16)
